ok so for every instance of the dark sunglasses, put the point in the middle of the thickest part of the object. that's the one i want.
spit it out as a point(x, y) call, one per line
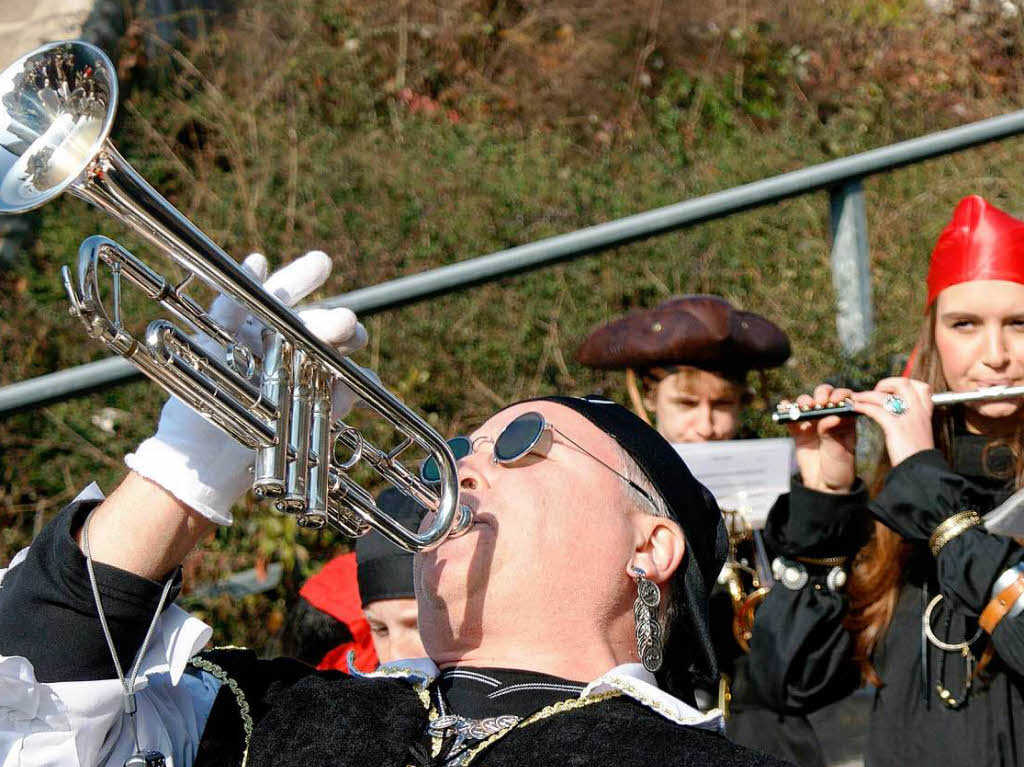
point(528, 434)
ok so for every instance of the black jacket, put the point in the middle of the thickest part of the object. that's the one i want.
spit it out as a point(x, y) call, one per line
point(910, 725)
point(760, 717)
point(298, 716)
point(327, 719)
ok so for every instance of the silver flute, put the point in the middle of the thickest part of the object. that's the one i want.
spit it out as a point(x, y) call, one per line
point(790, 412)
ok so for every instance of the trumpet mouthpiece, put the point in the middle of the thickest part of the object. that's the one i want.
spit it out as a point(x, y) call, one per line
point(463, 523)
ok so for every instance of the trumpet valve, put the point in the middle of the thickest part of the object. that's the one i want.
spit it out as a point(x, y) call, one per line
point(311, 520)
point(296, 498)
point(291, 505)
point(318, 485)
point(271, 462)
point(268, 488)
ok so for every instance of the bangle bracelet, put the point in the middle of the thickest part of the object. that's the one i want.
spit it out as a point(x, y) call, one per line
point(926, 624)
point(951, 528)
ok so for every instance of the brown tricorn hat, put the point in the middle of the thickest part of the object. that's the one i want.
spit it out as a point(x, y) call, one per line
point(700, 331)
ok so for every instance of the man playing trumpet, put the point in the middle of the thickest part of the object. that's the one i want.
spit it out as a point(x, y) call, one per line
point(566, 624)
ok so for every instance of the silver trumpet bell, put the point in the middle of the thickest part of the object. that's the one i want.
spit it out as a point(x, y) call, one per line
point(57, 105)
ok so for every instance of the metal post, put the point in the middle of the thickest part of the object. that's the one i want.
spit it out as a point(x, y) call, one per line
point(851, 267)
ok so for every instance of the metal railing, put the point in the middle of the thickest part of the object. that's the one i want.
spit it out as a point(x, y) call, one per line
point(851, 273)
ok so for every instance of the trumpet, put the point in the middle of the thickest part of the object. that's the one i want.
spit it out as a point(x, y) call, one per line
point(789, 412)
point(57, 106)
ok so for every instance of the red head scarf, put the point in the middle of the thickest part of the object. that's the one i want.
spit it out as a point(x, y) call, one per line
point(980, 242)
point(335, 590)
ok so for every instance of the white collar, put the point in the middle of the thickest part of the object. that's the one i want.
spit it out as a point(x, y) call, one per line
point(420, 671)
point(634, 680)
point(631, 679)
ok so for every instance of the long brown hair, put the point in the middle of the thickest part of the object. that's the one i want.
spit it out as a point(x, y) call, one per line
point(877, 574)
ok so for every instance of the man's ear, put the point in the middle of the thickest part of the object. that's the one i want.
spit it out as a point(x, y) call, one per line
point(659, 545)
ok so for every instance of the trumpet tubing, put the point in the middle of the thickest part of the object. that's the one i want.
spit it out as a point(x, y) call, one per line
point(58, 103)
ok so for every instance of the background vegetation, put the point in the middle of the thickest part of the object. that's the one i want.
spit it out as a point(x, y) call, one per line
point(398, 136)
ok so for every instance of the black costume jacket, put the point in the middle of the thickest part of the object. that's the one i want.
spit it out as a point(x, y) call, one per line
point(757, 720)
point(329, 719)
point(280, 712)
point(910, 725)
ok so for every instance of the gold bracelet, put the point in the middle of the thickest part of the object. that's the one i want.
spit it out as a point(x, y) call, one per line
point(823, 561)
point(951, 528)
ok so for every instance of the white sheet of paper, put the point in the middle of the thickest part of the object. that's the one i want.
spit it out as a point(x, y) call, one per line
point(1008, 517)
point(744, 475)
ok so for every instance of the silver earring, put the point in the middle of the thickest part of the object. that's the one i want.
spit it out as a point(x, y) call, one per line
point(648, 629)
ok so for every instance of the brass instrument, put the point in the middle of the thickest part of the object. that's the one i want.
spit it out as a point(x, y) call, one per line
point(737, 570)
point(57, 106)
point(789, 412)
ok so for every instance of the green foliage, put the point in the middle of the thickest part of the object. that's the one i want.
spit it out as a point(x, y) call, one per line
point(300, 125)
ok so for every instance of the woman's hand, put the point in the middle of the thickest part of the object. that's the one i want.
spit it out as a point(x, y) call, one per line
point(825, 447)
point(903, 408)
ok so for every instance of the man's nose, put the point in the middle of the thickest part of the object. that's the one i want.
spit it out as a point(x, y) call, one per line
point(472, 469)
point(702, 423)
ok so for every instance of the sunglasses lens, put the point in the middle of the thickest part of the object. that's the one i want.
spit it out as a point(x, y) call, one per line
point(460, 447)
point(518, 437)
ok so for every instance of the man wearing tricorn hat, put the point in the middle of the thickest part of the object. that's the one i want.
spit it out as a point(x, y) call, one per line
point(687, 362)
point(565, 626)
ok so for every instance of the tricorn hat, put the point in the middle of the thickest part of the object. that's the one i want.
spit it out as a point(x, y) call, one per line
point(698, 330)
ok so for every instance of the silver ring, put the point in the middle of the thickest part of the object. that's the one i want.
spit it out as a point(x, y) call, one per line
point(895, 405)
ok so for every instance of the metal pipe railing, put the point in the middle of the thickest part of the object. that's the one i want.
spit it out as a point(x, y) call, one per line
point(53, 387)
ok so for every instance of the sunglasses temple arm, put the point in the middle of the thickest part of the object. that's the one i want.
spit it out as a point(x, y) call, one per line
point(628, 481)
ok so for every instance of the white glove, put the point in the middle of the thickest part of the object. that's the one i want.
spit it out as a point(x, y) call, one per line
point(194, 460)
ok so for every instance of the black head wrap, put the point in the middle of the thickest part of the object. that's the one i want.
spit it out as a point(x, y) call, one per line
point(383, 570)
point(688, 650)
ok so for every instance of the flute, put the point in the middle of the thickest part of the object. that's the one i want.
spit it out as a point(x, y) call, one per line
point(789, 412)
